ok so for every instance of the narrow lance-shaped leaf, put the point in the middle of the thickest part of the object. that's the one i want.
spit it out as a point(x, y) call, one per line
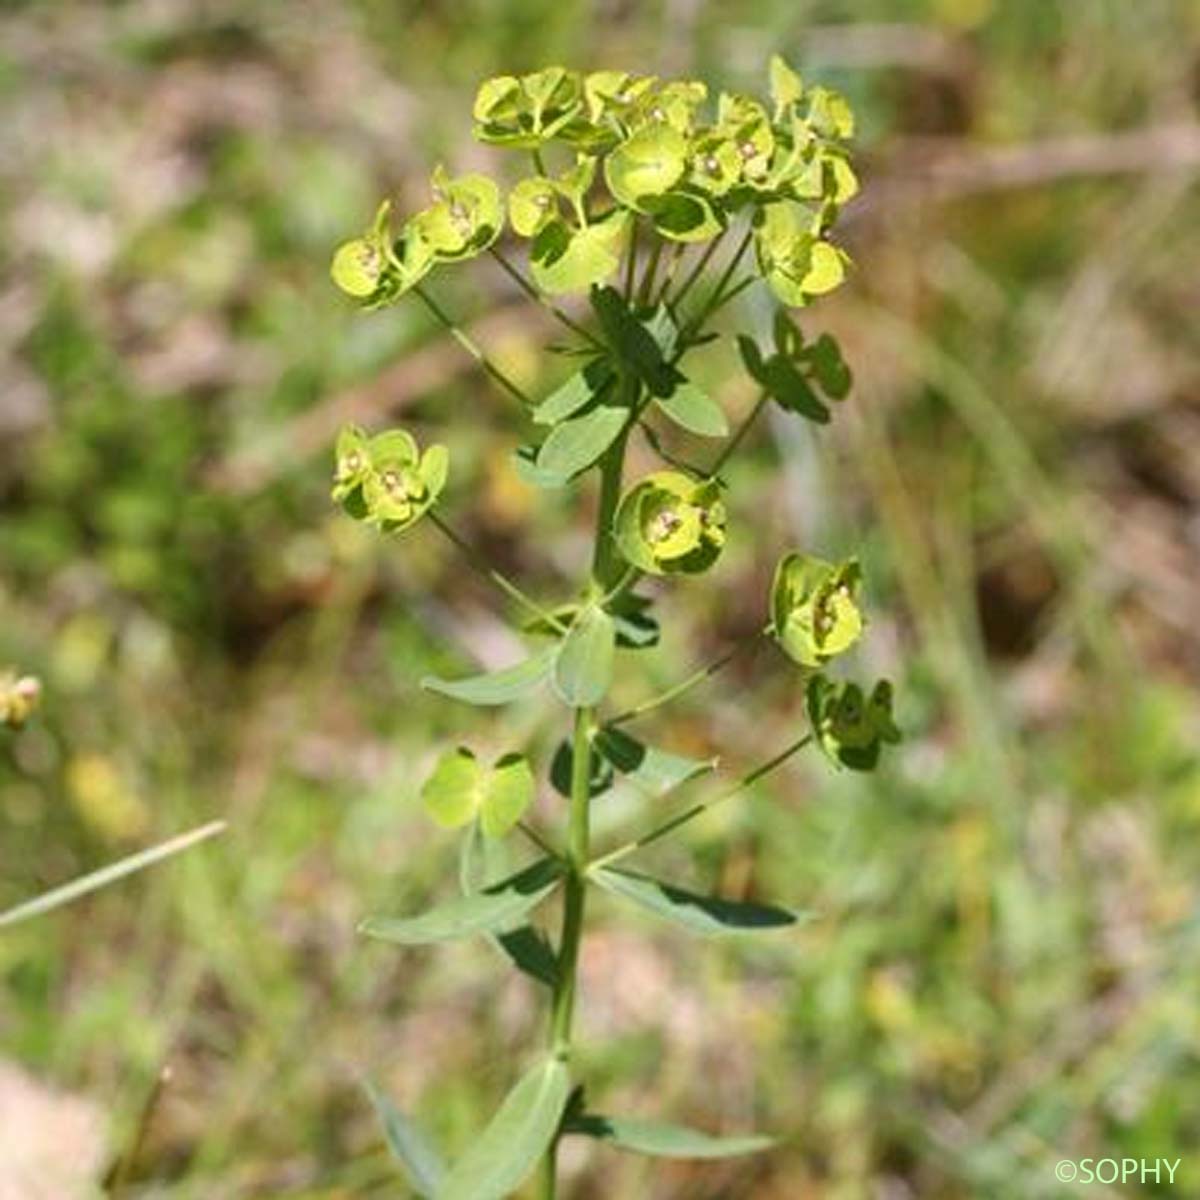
point(530, 952)
point(498, 907)
point(524, 945)
point(496, 687)
point(416, 1154)
point(660, 1140)
point(653, 771)
point(584, 667)
point(701, 914)
point(579, 390)
point(505, 1153)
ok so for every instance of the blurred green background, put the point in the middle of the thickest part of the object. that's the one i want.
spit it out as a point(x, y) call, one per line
point(1003, 970)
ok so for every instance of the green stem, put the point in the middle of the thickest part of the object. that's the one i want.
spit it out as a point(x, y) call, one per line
point(671, 271)
point(698, 810)
point(492, 575)
point(670, 459)
point(647, 288)
point(685, 685)
point(472, 347)
point(717, 296)
point(607, 570)
point(578, 839)
point(607, 564)
point(631, 262)
point(735, 441)
point(698, 269)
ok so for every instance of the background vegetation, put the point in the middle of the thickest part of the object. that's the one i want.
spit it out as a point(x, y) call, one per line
point(1003, 971)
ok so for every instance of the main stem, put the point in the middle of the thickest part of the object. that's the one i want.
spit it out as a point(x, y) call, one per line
point(606, 570)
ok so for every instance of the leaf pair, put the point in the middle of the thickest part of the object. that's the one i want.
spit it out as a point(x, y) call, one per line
point(653, 772)
point(648, 346)
point(501, 1157)
point(461, 789)
point(795, 373)
point(529, 1119)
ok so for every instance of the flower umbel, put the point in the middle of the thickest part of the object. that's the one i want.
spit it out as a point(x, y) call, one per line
point(385, 479)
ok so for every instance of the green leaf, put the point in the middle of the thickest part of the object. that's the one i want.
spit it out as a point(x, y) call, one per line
point(599, 781)
point(531, 953)
point(695, 410)
point(655, 772)
point(575, 444)
point(636, 628)
point(419, 1159)
point(525, 464)
point(633, 342)
point(792, 391)
point(508, 792)
point(584, 666)
point(752, 357)
point(701, 914)
point(581, 389)
point(496, 687)
point(504, 1154)
point(498, 907)
point(830, 369)
point(664, 1141)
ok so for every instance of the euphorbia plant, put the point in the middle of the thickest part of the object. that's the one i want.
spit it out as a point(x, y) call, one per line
point(632, 191)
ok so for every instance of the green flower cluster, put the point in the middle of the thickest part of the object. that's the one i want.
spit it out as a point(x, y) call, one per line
point(849, 727)
point(19, 696)
point(385, 479)
point(668, 524)
point(640, 148)
point(814, 608)
point(815, 617)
